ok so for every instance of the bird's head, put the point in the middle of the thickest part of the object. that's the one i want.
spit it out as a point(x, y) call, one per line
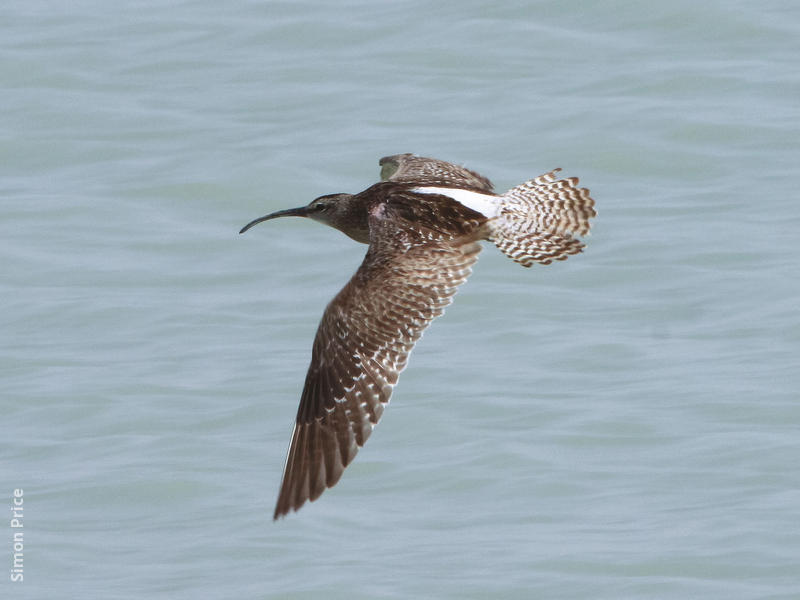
point(326, 209)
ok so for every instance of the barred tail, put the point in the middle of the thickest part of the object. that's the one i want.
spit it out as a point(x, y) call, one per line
point(539, 218)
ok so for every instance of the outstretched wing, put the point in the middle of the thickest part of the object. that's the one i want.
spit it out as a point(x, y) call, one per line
point(408, 277)
point(409, 168)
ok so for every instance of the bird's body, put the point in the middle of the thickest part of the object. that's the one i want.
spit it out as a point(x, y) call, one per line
point(423, 224)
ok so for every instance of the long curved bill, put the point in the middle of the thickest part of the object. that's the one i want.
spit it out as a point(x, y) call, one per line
point(301, 211)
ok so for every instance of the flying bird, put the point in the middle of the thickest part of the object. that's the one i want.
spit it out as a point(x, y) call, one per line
point(423, 222)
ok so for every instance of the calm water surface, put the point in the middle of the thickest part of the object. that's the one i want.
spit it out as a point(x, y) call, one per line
point(622, 425)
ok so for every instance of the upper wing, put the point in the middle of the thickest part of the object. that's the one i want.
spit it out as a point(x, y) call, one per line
point(409, 275)
point(409, 168)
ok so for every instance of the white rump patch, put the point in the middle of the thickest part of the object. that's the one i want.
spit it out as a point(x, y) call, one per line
point(486, 204)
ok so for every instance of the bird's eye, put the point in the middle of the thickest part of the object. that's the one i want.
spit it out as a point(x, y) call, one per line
point(321, 206)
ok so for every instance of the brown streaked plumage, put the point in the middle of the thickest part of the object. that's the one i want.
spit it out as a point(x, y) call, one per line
point(409, 168)
point(423, 224)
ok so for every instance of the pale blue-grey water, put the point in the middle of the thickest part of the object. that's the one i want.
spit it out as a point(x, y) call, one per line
point(625, 424)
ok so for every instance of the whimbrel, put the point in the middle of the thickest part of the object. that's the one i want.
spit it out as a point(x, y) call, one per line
point(423, 223)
